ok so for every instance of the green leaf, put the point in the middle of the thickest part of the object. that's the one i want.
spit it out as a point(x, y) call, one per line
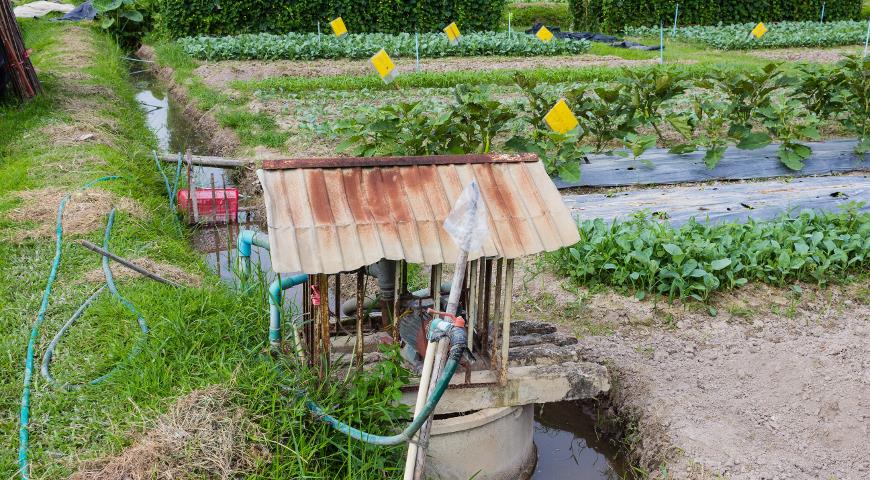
point(570, 171)
point(103, 6)
point(720, 264)
point(107, 22)
point(674, 250)
point(789, 158)
point(133, 15)
point(682, 149)
point(753, 141)
point(713, 156)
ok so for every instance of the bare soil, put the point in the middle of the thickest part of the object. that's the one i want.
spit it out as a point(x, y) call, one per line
point(85, 211)
point(204, 435)
point(219, 74)
point(815, 55)
point(776, 386)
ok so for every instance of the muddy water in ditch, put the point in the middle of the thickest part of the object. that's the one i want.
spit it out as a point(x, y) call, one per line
point(568, 446)
point(175, 133)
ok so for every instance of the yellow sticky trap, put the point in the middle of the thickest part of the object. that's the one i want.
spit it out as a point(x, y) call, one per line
point(544, 34)
point(452, 32)
point(560, 118)
point(338, 27)
point(384, 65)
point(759, 30)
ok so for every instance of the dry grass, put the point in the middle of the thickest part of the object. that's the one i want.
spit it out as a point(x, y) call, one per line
point(85, 212)
point(204, 435)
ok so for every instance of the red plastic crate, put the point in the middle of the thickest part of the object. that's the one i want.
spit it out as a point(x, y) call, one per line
point(215, 203)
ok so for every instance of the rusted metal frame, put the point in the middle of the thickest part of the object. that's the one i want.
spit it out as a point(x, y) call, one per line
point(193, 204)
point(471, 306)
point(494, 345)
point(337, 303)
point(480, 306)
point(354, 162)
point(360, 300)
point(397, 295)
point(309, 328)
point(487, 299)
point(506, 321)
point(435, 286)
point(323, 323)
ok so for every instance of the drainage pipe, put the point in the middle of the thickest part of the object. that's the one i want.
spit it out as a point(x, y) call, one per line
point(248, 238)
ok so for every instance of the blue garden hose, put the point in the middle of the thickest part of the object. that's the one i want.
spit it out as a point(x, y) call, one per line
point(23, 433)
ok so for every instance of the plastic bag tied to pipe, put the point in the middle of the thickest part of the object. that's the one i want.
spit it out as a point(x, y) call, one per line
point(467, 223)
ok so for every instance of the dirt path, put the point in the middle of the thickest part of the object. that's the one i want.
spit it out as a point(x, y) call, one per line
point(815, 55)
point(775, 386)
point(218, 74)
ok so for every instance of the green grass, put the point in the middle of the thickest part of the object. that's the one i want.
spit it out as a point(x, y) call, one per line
point(199, 336)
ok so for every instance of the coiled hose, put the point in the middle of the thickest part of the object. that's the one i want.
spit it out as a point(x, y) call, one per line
point(23, 433)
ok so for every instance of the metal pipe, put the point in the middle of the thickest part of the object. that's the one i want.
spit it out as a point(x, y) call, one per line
point(128, 264)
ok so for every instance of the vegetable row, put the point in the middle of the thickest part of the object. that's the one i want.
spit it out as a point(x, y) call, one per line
point(310, 46)
point(747, 109)
point(779, 35)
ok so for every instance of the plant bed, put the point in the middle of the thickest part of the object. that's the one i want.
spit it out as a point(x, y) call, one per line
point(310, 46)
point(779, 35)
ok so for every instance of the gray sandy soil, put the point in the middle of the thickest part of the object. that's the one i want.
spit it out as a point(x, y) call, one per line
point(776, 386)
point(218, 74)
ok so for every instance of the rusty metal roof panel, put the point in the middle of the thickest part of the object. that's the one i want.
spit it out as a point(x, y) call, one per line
point(335, 215)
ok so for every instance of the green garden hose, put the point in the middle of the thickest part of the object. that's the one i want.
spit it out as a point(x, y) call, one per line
point(143, 327)
point(23, 432)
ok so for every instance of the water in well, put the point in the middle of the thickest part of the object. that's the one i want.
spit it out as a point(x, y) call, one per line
point(567, 443)
point(569, 446)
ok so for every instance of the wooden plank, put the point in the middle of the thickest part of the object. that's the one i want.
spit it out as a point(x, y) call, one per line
point(207, 161)
point(353, 162)
point(726, 201)
point(829, 157)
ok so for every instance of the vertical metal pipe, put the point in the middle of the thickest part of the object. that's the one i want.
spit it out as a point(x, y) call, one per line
point(227, 211)
point(360, 301)
point(506, 321)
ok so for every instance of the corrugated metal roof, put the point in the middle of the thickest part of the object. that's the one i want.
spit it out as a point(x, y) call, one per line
point(338, 214)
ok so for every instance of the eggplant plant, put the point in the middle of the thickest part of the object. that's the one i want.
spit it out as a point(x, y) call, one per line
point(706, 127)
point(787, 122)
point(855, 96)
point(603, 115)
point(819, 88)
point(646, 90)
point(477, 118)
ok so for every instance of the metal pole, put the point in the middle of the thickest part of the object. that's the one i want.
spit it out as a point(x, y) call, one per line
point(318, 31)
point(676, 14)
point(417, 48)
point(128, 264)
point(822, 18)
point(661, 42)
point(867, 38)
point(510, 16)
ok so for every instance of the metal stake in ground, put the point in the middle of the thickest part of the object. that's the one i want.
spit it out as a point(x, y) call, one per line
point(128, 264)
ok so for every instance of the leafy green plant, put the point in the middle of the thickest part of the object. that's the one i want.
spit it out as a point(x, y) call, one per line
point(745, 93)
point(561, 154)
point(478, 118)
point(636, 145)
point(646, 90)
point(780, 34)
point(710, 119)
point(786, 122)
point(603, 115)
point(129, 19)
point(855, 97)
point(697, 259)
point(309, 46)
point(819, 89)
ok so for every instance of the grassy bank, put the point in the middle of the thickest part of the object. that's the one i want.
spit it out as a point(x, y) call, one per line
point(88, 125)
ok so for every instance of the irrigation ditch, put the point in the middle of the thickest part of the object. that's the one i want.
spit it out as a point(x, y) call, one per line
point(664, 359)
